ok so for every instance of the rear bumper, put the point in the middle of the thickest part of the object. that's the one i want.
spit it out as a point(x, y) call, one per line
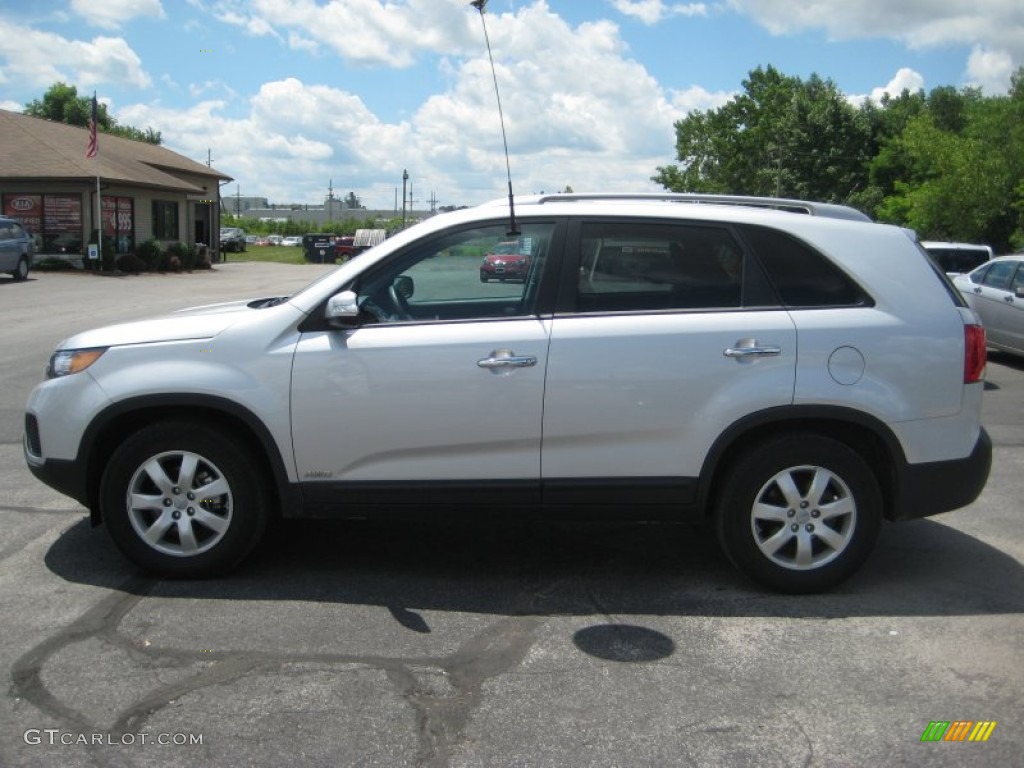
point(941, 486)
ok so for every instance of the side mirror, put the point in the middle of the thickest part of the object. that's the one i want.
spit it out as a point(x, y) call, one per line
point(342, 309)
point(1020, 292)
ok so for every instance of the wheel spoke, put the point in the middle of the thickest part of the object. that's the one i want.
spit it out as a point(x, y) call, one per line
point(156, 473)
point(838, 508)
point(769, 512)
point(819, 485)
point(804, 549)
point(145, 501)
point(154, 533)
point(214, 489)
point(187, 536)
point(834, 539)
point(214, 522)
point(786, 484)
point(776, 541)
point(187, 473)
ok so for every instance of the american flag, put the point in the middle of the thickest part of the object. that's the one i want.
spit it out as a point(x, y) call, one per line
point(93, 146)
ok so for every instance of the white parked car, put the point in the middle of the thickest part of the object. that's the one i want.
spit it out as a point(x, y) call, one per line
point(995, 291)
point(294, 240)
point(765, 370)
point(957, 258)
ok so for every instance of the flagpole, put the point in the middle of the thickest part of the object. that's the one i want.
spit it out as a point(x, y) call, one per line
point(92, 152)
point(99, 219)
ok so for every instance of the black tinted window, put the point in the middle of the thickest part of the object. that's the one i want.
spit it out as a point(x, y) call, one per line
point(628, 266)
point(802, 276)
point(958, 260)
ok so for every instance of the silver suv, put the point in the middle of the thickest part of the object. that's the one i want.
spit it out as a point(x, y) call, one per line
point(794, 378)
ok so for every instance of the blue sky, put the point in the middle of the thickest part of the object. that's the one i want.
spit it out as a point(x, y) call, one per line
point(289, 94)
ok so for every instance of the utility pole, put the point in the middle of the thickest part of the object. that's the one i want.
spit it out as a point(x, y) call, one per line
point(405, 180)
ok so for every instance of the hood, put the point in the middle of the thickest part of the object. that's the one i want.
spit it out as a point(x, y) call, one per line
point(202, 322)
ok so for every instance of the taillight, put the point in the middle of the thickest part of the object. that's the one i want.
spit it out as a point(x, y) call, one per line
point(974, 353)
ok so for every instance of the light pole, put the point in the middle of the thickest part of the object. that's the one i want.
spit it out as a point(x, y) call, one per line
point(405, 180)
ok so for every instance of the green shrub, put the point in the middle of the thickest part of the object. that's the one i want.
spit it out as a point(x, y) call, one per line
point(131, 264)
point(151, 254)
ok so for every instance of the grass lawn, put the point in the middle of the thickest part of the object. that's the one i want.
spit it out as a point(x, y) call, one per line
point(282, 254)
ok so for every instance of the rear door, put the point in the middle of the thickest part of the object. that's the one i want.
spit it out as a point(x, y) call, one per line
point(666, 334)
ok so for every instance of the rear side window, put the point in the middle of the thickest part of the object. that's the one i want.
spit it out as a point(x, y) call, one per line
point(802, 276)
point(633, 266)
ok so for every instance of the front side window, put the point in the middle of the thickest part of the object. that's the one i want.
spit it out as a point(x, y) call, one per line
point(630, 266)
point(998, 275)
point(470, 274)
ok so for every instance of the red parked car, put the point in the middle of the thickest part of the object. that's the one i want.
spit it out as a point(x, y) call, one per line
point(506, 262)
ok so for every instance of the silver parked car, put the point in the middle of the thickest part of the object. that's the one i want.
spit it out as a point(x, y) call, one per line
point(995, 291)
point(662, 359)
point(16, 248)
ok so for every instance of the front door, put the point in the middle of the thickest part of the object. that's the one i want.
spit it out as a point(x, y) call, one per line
point(443, 383)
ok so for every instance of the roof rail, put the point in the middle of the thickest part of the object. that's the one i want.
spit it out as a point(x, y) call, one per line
point(830, 210)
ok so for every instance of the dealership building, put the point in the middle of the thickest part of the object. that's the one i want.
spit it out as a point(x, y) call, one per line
point(48, 183)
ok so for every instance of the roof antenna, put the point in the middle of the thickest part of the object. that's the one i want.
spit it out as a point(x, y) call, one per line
point(512, 228)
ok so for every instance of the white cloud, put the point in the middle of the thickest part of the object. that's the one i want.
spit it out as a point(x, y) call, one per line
point(12, 106)
point(43, 58)
point(990, 70)
point(989, 25)
point(578, 110)
point(653, 11)
point(905, 79)
point(111, 14)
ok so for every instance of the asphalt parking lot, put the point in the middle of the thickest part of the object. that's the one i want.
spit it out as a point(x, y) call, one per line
point(454, 645)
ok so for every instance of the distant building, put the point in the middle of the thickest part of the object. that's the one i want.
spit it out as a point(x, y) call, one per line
point(235, 204)
point(146, 190)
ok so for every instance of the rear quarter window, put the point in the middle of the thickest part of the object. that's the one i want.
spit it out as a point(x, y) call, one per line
point(802, 276)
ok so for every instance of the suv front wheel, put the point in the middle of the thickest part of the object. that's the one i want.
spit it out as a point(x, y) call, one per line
point(799, 513)
point(182, 500)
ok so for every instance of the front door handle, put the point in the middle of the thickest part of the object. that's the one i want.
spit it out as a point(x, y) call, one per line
point(748, 348)
point(505, 359)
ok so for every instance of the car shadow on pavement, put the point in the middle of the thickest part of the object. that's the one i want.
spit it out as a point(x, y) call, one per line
point(920, 568)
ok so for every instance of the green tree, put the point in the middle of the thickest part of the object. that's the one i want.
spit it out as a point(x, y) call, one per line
point(62, 104)
point(782, 136)
point(956, 170)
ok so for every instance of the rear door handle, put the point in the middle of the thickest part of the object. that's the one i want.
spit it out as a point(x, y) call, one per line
point(748, 348)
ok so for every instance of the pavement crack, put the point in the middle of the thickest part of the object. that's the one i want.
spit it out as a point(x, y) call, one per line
point(101, 620)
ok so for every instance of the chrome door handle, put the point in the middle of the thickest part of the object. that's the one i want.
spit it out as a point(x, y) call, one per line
point(750, 348)
point(1008, 299)
point(977, 290)
point(504, 358)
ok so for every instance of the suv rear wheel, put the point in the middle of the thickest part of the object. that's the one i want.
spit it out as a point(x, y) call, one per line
point(799, 513)
point(182, 500)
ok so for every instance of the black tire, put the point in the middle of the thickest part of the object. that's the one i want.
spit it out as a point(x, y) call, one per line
point(194, 489)
point(781, 483)
point(21, 271)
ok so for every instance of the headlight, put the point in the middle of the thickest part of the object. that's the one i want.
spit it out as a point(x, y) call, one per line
point(64, 362)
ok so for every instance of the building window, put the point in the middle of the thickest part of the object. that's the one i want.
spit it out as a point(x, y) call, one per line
point(118, 223)
point(54, 221)
point(165, 220)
